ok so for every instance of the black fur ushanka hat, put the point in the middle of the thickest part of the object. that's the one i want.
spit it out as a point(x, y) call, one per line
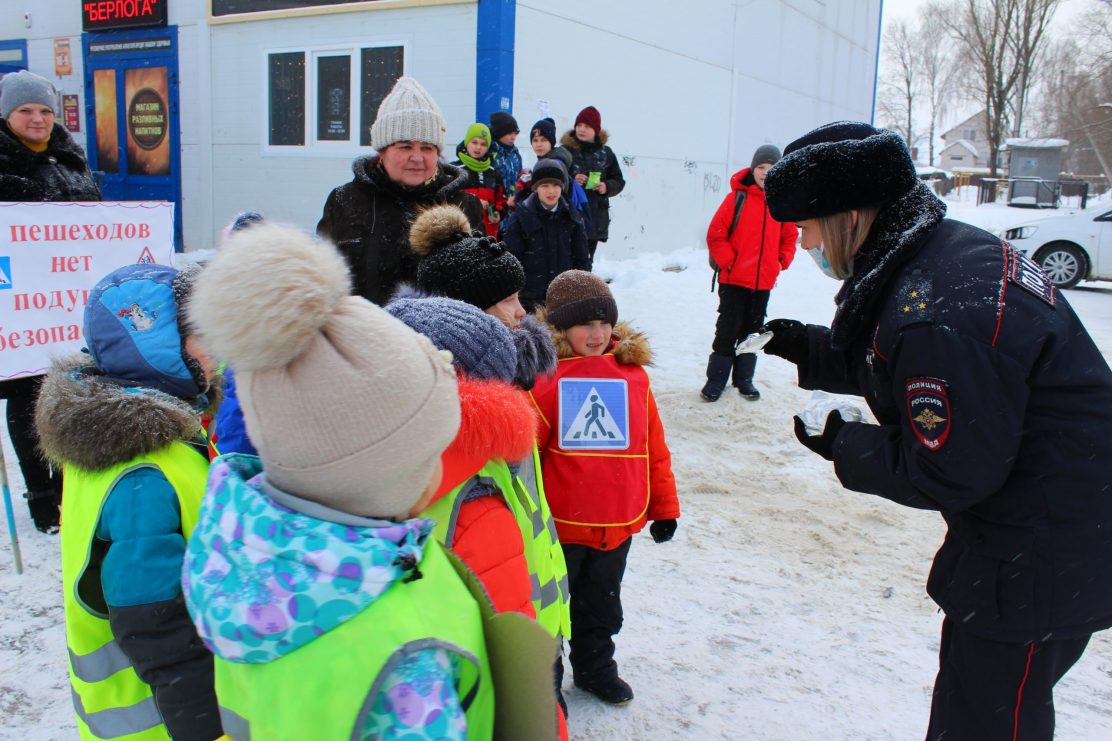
point(839, 167)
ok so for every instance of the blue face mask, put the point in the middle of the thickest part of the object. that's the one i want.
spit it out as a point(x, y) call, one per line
point(824, 264)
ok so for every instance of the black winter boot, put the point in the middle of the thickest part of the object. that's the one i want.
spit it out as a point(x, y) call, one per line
point(718, 372)
point(612, 691)
point(44, 510)
point(744, 365)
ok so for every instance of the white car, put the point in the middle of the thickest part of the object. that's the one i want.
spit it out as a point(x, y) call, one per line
point(1069, 248)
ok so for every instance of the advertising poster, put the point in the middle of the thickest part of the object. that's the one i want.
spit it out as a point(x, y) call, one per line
point(146, 92)
point(71, 112)
point(51, 256)
point(63, 62)
point(108, 137)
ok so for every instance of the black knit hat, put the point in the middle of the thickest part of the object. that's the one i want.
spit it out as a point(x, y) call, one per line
point(839, 167)
point(502, 123)
point(546, 127)
point(578, 297)
point(550, 169)
point(460, 265)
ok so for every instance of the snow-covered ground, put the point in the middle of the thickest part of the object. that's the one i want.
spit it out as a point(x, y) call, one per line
point(786, 607)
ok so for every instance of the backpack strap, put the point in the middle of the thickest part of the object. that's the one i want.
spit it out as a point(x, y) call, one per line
point(739, 202)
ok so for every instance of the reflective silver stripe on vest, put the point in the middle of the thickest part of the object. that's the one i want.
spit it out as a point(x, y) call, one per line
point(534, 588)
point(550, 593)
point(528, 478)
point(116, 722)
point(100, 664)
point(235, 725)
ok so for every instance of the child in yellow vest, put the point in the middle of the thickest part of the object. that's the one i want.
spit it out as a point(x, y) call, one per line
point(309, 571)
point(123, 423)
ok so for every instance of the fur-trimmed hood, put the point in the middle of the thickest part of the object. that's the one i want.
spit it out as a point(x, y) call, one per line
point(86, 421)
point(448, 180)
point(569, 141)
point(58, 174)
point(630, 346)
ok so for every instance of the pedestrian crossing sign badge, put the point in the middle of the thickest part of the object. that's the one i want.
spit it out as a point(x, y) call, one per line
point(5, 273)
point(145, 257)
point(594, 414)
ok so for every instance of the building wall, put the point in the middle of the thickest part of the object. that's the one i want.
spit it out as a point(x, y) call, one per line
point(688, 92)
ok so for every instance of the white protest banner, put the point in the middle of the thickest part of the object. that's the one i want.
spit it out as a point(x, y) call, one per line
point(51, 256)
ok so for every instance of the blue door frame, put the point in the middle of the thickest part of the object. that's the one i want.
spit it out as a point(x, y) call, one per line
point(134, 50)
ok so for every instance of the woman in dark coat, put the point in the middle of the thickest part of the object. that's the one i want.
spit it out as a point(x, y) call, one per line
point(369, 218)
point(596, 168)
point(39, 161)
point(994, 408)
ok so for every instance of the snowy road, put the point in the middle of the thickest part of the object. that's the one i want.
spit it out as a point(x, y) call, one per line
point(786, 607)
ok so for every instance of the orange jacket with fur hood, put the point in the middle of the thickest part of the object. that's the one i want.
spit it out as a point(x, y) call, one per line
point(496, 421)
point(628, 485)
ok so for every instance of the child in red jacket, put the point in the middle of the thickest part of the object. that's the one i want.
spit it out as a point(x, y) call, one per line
point(750, 249)
point(599, 424)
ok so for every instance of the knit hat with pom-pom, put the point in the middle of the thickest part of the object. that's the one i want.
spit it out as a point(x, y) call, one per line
point(578, 297)
point(459, 265)
point(481, 346)
point(347, 406)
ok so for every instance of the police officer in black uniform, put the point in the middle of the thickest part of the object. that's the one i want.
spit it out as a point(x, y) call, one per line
point(994, 408)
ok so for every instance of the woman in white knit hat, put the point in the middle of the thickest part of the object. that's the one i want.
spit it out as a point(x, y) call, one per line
point(369, 218)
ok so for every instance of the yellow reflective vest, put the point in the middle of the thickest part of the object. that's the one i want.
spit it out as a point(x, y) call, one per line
point(110, 699)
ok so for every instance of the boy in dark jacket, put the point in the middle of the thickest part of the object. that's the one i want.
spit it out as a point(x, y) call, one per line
point(483, 179)
point(596, 168)
point(750, 255)
point(545, 234)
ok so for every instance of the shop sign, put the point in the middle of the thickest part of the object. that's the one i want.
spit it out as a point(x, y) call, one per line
point(101, 15)
point(146, 118)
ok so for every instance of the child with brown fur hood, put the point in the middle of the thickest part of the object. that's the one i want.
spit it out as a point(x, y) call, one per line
point(600, 424)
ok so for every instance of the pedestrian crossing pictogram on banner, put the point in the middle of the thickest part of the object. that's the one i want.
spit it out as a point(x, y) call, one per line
point(594, 414)
point(5, 273)
point(145, 257)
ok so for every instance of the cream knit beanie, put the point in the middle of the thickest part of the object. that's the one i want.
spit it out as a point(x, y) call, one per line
point(408, 113)
point(346, 405)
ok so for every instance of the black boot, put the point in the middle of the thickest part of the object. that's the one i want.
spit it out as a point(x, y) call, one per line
point(44, 510)
point(744, 365)
point(613, 690)
point(718, 372)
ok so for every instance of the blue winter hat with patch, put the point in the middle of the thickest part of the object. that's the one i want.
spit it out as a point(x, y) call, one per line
point(481, 346)
point(135, 329)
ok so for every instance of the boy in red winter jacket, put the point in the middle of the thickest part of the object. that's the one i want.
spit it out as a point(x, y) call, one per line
point(599, 424)
point(750, 249)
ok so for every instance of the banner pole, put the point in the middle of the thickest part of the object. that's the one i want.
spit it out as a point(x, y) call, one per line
point(10, 514)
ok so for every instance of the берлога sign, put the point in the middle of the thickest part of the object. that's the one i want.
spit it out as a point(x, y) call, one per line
point(51, 256)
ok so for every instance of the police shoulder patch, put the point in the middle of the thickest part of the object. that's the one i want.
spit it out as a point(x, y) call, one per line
point(1026, 273)
point(915, 298)
point(928, 410)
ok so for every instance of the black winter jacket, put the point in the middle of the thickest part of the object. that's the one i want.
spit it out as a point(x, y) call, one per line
point(58, 174)
point(546, 243)
point(994, 408)
point(369, 220)
point(596, 157)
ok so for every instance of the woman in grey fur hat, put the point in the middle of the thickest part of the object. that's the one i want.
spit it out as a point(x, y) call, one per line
point(993, 408)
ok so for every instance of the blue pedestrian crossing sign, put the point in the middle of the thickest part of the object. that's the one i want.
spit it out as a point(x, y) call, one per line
point(594, 414)
point(5, 273)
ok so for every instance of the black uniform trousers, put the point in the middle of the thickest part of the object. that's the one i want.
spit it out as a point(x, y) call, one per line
point(741, 312)
point(595, 583)
point(989, 691)
point(21, 394)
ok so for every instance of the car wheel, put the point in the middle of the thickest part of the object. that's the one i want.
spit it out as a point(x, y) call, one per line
point(1064, 263)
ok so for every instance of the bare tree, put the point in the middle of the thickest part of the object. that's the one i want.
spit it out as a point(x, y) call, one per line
point(900, 80)
point(939, 66)
point(1001, 39)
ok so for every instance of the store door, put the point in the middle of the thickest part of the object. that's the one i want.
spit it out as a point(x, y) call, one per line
point(131, 93)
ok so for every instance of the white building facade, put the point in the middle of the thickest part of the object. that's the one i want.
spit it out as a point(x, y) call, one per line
point(229, 105)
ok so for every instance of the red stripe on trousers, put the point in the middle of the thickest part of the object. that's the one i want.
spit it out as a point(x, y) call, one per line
point(1019, 695)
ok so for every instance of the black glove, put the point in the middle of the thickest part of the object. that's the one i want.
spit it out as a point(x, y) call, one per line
point(789, 339)
point(822, 444)
point(662, 530)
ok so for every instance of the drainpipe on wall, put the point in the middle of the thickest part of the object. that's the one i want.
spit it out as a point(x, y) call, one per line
point(876, 62)
point(494, 57)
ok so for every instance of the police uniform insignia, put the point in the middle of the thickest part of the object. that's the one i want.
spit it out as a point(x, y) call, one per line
point(928, 410)
point(1025, 273)
point(915, 299)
